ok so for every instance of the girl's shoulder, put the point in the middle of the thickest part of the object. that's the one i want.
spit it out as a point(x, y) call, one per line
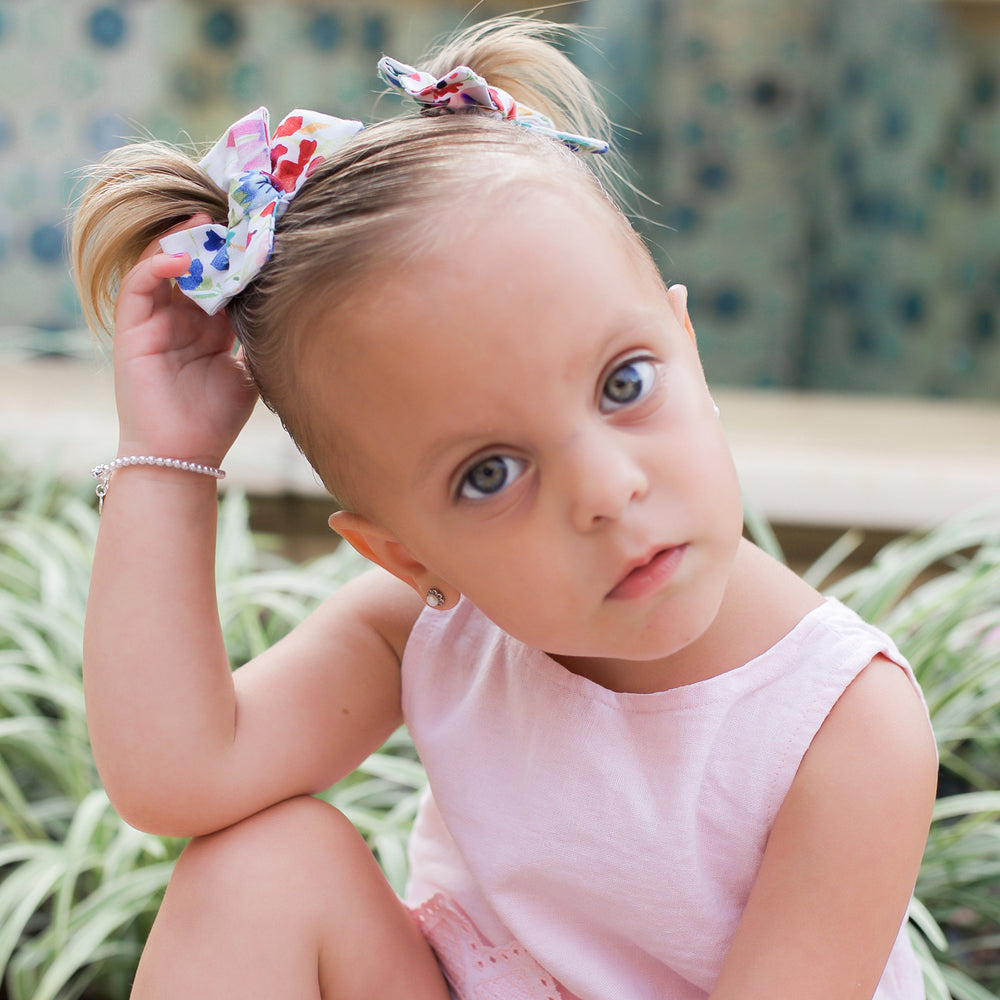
point(771, 607)
point(373, 610)
point(388, 606)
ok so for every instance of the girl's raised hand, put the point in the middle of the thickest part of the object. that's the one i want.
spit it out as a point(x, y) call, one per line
point(181, 391)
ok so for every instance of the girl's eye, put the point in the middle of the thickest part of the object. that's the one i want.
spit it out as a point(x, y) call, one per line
point(490, 476)
point(627, 384)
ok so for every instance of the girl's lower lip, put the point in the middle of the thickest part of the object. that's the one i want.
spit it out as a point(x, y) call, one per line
point(648, 577)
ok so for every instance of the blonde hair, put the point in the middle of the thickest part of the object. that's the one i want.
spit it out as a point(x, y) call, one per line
point(362, 207)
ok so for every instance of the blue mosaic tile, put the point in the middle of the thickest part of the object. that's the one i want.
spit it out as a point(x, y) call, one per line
point(714, 176)
point(938, 176)
point(856, 79)
point(106, 27)
point(325, 31)
point(911, 307)
point(374, 33)
point(692, 133)
point(982, 327)
point(983, 87)
point(46, 243)
point(681, 218)
point(980, 182)
point(768, 93)
point(895, 124)
point(864, 341)
point(223, 27)
point(730, 304)
point(696, 48)
point(717, 92)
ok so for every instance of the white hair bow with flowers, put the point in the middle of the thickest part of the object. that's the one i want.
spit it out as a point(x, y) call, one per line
point(462, 89)
point(261, 173)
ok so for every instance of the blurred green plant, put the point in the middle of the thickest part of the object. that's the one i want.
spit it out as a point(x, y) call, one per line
point(79, 888)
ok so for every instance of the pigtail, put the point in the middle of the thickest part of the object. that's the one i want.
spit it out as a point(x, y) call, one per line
point(522, 55)
point(135, 195)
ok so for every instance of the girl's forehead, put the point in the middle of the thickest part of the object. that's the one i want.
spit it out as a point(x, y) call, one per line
point(491, 279)
point(505, 255)
point(496, 188)
point(547, 282)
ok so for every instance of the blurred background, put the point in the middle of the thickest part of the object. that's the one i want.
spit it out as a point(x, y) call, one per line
point(825, 176)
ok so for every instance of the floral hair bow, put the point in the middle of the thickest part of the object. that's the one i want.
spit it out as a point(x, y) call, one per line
point(464, 90)
point(262, 173)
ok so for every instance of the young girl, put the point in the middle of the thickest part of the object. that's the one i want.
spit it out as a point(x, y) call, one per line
point(661, 765)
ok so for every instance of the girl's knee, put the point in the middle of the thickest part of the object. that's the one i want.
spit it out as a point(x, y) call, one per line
point(296, 884)
point(297, 845)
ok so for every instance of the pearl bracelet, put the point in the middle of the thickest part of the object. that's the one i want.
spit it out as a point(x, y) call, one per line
point(102, 473)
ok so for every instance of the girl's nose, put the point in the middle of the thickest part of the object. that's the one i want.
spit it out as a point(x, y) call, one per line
point(605, 478)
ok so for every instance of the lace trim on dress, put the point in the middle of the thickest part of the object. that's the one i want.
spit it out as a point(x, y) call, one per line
point(473, 967)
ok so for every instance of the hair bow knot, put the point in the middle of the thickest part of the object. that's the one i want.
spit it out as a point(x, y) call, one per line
point(462, 89)
point(261, 174)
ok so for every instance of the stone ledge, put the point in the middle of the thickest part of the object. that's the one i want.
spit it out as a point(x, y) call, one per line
point(870, 462)
point(804, 459)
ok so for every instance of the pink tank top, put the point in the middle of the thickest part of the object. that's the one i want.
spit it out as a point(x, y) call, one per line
point(607, 841)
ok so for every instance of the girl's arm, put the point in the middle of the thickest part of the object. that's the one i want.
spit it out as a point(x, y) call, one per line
point(844, 852)
point(182, 746)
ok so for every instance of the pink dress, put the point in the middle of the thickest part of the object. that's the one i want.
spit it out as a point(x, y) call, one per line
point(582, 843)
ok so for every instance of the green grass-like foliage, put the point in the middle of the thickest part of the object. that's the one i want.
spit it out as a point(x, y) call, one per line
point(79, 888)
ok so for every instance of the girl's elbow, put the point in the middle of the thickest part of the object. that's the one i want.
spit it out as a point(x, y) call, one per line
point(162, 812)
point(143, 816)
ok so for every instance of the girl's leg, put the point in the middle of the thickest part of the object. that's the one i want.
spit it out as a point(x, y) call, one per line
point(288, 903)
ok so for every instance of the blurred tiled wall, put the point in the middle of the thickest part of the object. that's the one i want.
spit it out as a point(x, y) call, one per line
point(825, 174)
point(79, 76)
point(828, 179)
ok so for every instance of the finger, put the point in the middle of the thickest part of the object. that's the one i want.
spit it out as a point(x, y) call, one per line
point(169, 265)
point(145, 289)
point(199, 219)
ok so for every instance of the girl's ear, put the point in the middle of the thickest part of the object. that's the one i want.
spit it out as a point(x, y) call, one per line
point(382, 548)
point(677, 296)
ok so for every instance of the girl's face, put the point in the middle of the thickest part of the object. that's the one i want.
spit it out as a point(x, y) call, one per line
point(529, 426)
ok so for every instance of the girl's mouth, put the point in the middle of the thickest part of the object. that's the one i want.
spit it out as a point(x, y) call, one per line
point(648, 576)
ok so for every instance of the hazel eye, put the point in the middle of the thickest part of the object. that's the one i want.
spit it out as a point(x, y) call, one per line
point(489, 476)
point(627, 384)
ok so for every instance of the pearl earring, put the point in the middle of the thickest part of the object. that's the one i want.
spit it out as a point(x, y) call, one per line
point(434, 599)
